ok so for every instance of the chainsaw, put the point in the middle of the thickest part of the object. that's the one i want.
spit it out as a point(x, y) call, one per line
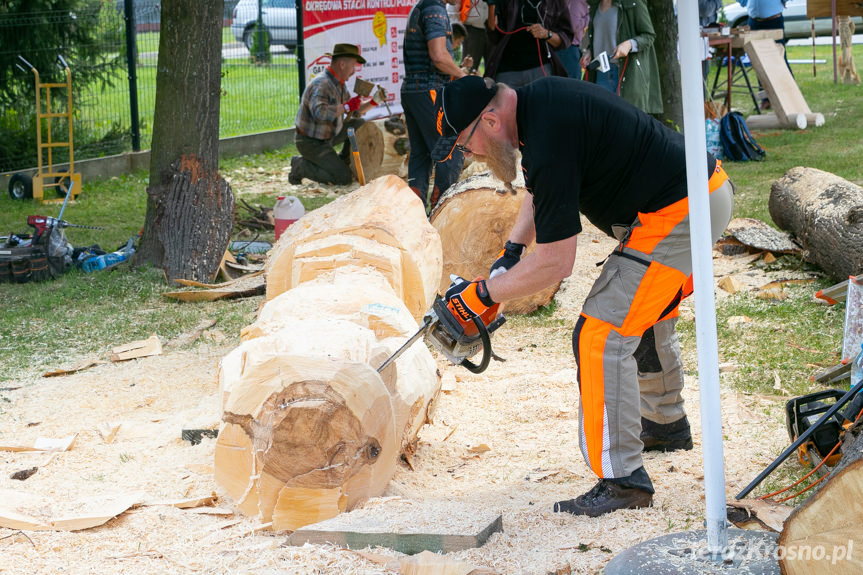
point(458, 340)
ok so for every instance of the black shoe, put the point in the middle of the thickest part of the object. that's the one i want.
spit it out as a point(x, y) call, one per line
point(605, 497)
point(666, 437)
point(295, 176)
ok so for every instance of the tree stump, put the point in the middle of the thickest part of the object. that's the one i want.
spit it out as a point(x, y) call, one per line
point(311, 428)
point(825, 213)
point(382, 152)
point(823, 534)
point(381, 225)
point(193, 220)
point(474, 219)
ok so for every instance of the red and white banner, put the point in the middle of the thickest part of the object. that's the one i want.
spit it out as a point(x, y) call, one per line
point(376, 26)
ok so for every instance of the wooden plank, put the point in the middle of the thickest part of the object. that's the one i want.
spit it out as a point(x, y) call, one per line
point(822, 8)
point(767, 60)
point(832, 373)
point(403, 542)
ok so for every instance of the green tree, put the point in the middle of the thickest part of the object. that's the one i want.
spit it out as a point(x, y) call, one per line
point(40, 30)
point(665, 23)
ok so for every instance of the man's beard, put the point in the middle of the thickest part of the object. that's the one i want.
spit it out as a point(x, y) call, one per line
point(502, 159)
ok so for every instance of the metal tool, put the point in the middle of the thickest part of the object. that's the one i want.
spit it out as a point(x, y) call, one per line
point(458, 341)
point(44, 223)
point(802, 438)
point(355, 152)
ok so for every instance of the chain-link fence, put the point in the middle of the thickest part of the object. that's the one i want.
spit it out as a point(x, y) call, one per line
point(258, 93)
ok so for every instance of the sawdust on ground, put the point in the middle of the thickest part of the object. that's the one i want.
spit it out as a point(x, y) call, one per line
point(524, 410)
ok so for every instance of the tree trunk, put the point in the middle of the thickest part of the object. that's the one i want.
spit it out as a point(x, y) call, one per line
point(826, 527)
point(474, 219)
point(188, 222)
point(825, 213)
point(381, 225)
point(311, 429)
point(665, 25)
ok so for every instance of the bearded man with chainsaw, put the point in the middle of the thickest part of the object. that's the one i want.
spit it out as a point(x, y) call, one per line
point(587, 152)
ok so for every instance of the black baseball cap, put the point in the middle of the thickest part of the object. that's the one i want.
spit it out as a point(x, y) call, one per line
point(462, 101)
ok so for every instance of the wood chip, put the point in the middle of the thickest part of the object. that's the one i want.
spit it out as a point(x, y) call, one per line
point(136, 349)
point(87, 364)
point(769, 514)
point(44, 444)
point(108, 431)
point(19, 510)
point(731, 284)
point(737, 320)
point(481, 448)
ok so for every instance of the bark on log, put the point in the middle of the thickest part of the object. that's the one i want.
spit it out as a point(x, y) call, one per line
point(310, 428)
point(825, 213)
point(474, 219)
point(193, 220)
point(382, 225)
point(826, 527)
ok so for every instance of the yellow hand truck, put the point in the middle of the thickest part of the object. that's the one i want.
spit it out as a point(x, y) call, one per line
point(22, 185)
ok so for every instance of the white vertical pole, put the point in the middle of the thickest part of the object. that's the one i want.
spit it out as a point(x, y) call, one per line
point(702, 270)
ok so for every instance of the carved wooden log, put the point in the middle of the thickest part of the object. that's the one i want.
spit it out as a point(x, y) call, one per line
point(474, 219)
point(847, 68)
point(826, 527)
point(825, 213)
point(381, 225)
point(310, 427)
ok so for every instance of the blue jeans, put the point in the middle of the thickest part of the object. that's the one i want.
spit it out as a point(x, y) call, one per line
point(608, 80)
point(570, 58)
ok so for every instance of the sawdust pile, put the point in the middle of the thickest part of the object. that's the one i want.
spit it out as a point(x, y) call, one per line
point(525, 411)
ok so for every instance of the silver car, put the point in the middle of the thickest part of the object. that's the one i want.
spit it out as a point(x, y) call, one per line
point(279, 17)
point(797, 25)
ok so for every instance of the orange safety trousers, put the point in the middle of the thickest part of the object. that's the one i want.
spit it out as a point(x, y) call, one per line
point(642, 282)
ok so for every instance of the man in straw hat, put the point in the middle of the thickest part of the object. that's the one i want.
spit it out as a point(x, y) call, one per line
point(584, 151)
point(326, 112)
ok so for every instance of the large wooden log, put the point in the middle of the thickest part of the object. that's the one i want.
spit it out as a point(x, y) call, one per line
point(310, 428)
point(823, 534)
point(382, 225)
point(474, 219)
point(383, 148)
point(825, 213)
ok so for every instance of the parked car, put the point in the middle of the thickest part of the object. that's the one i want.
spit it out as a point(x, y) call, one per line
point(280, 21)
point(797, 25)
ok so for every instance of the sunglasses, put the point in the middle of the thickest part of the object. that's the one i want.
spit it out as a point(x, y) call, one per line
point(463, 147)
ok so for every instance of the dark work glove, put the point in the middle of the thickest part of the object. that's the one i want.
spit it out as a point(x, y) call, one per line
point(508, 257)
point(467, 299)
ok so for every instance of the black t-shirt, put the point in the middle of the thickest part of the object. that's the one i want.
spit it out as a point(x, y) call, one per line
point(522, 51)
point(586, 150)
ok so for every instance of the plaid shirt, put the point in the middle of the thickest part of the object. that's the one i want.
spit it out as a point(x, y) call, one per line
point(322, 109)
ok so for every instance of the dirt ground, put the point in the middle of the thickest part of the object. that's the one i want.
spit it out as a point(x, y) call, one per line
point(524, 410)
